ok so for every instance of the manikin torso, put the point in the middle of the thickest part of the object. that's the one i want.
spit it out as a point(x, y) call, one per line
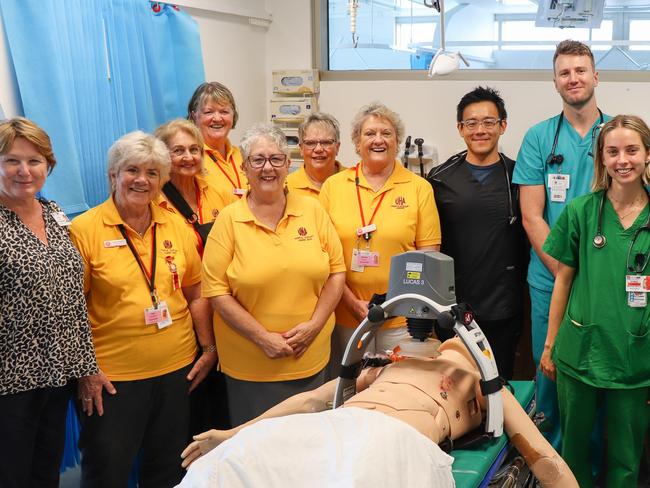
point(435, 396)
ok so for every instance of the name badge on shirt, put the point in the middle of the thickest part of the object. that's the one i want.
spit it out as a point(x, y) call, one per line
point(637, 283)
point(637, 299)
point(61, 219)
point(367, 229)
point(158, 315)
point(239, 191)
point(115, 243)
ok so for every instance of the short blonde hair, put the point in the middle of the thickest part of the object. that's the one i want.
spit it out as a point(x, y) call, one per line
point(28, 130)
point(138, 148)
point(169, 129)
point(212, 91)
point(602, 180)
point(325, 120)
point(376, 109)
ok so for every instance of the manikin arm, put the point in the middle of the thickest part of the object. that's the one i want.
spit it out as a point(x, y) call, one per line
point(312, 401)
point(545, 463)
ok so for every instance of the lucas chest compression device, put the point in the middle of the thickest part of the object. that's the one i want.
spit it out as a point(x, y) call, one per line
point(421, 288)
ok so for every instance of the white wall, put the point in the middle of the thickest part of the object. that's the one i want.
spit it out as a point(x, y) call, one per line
point(9, 98)
point(234, 54)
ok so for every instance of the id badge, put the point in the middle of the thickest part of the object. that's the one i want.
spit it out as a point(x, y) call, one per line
point(165, 316)
point(368, 258)
point(559, 181)
point(637, 299)
point(354, 262)
point(637, 283)
point(558, 195)
point(61, 219)
point(239, 191)
point(152, 315)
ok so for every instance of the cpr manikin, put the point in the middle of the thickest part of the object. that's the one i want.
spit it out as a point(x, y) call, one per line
point(439, 397)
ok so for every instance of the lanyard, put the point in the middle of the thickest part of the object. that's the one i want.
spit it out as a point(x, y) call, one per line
point(150, 278)
point(197, 192)
point(366, 236)
point(235, 186)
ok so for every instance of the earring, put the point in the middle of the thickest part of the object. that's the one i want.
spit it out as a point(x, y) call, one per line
point(286, 187)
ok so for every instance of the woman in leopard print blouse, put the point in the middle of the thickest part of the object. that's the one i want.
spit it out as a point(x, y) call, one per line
point(45, 339)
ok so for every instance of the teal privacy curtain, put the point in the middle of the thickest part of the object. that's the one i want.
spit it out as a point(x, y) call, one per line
point(89, 71)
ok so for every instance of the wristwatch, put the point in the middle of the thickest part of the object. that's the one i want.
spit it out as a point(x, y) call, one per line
point(209, 348)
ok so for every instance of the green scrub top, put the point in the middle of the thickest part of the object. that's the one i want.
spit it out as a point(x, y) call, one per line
point(602, 341)
point(531, 169)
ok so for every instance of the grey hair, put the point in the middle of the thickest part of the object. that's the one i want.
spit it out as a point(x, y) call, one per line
point(323, 119)
point(138, 148)
point(376, 109)
point(262, 130)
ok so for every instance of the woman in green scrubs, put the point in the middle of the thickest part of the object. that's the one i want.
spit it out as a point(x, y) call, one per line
point(598, 342)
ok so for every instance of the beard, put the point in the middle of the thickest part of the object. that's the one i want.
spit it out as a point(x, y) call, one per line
point(580, 102)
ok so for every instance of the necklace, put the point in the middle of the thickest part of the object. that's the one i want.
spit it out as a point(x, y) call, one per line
point(634, 206)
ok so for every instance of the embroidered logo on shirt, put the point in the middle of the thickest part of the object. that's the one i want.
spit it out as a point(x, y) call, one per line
point(400, 203)
point(215, 212)
point(168, 244)
point(168, 248)
point(302, 235)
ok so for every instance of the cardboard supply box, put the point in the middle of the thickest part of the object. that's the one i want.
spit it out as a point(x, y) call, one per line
point(296, 82)
point(292, 109)
point(291, 133)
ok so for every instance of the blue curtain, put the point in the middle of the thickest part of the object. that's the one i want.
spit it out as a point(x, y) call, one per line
point(89, 71)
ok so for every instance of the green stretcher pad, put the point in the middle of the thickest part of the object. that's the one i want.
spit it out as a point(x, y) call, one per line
point(472, 465)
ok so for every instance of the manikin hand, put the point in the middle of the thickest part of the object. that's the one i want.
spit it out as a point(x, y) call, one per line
point(203, 443)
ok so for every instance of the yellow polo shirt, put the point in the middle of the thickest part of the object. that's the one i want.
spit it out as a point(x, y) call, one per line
point(211, 202)
point(300, 183)
point(278, 277)
point(117, 293)
point(215, 172)
point(407, 219)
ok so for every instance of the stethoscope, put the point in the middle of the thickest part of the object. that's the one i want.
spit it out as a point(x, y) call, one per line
point(558, 159)
point(458, 158)
point(599, 240)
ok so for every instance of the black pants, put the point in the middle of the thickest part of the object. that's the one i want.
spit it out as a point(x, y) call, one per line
point(503, 336)
point(150, 415)
point(32, 436)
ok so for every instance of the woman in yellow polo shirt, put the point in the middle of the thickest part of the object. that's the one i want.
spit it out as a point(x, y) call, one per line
point(320, 140)
point(187, 193)
point(212, 108)
point(141, 281)
point(379, 209)
point(273, 270)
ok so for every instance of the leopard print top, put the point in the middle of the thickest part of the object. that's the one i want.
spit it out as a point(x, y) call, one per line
point(45, 337)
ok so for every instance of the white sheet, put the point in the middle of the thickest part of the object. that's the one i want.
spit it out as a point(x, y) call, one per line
point(343, 448)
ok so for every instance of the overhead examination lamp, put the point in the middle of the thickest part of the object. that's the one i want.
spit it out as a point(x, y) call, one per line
point(444, 62)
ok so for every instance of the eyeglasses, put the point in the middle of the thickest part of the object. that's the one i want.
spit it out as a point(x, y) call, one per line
point(179, 151)
point(276, 160)
point(473, 124)
point(324, 143)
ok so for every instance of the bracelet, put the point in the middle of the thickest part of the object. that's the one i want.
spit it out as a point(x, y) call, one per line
point(209, 348)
